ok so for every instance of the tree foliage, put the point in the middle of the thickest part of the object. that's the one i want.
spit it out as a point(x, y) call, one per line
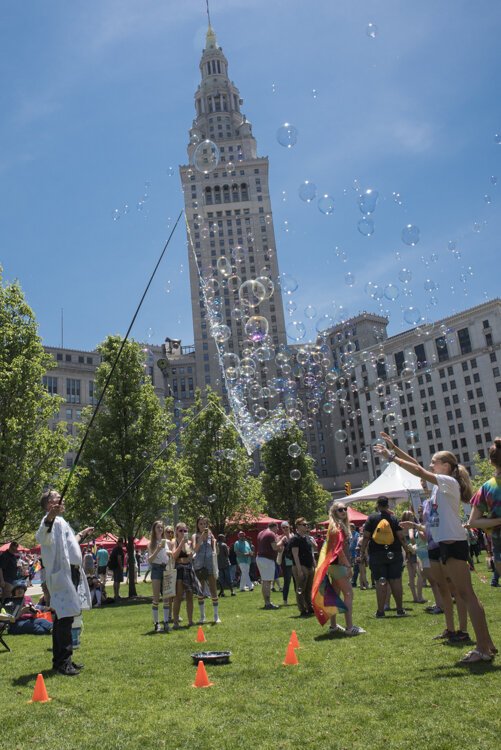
point(130, 429)
point(217, 466)
point(286, 496)
point(31, 453)
point(482, 471)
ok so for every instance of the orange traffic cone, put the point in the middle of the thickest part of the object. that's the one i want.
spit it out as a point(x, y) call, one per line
point(290, 656)
point(40, 692)
point(294, 641)
point(200, 635)
point(201, 679)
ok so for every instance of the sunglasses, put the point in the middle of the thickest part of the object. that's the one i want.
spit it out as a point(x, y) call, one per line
point(340, 510)
point(183, 530)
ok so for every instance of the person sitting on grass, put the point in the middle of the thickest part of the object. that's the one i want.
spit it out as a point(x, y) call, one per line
point(27, 622)
point(333, 575)
point(451, 484)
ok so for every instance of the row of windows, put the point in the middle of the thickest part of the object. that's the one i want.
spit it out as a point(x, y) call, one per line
point(73, 388)
point(80, 358)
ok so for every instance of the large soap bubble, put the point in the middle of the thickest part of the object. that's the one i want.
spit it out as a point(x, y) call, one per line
point(326, 204)
point(256, 328)
point(251, 293)
point(367, 201)
point(287, 135)
point(206, 156)
point(366, 227)
point(296, 330)
point(307, 191)
point(410, 235)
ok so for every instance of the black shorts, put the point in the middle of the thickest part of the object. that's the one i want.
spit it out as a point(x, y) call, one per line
point(102, 570)
point(118, 576)
point(434, 554)
point(391, 570)
point(454, 550)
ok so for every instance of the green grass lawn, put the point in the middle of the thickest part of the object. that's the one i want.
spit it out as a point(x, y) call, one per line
point(392, 688)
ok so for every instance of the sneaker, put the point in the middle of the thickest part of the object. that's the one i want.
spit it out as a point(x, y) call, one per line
point(379, 614)
point(202, 621)
point(166, 627)
point(337, 629)
point(355, 630)
point(77, 666)
point(158, 627)
point(68, 671)
point(401, 613)
point(176, 626)
point(217, 621)
point(434, 610)
point(270, 605)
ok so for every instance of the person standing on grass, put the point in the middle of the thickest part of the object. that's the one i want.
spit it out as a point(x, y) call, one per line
point(287, 561)
point(385, 538)
point(223, 565)
point(303, 567)
point(268, 544)
point(186, 581)
point(160, 553)
point(102, 558)
point(243, 554)
point(116, 564)
point(451, 485)
point(205, 566)
point(411, 560)
point(333, 575)
point(486, 505)
point(66, 581)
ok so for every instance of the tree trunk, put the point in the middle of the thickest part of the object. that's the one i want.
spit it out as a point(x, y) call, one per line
point(131, 566)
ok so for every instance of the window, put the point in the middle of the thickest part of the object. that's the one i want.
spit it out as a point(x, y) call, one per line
point(442, 350)
point(69, 413)
point(50, 384)
point(92, 397)
point(73, 390)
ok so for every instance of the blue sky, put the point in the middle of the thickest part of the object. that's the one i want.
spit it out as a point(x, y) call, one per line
point(97, 100)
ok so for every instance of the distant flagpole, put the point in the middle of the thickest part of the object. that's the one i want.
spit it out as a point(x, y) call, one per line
point(62, 328)
point(208, 11)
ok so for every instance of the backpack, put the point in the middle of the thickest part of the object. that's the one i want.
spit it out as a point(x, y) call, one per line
point(383, 533)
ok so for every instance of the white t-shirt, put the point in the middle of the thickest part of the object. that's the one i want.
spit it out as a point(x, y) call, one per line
point(445, 522)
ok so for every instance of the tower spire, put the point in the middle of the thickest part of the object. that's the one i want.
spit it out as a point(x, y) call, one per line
point(210, 38)
point(208, 12)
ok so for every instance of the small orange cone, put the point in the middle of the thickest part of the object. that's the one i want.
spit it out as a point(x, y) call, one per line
point(40, 692)
point(200, 635)
point(294, 641)
point(201, 679)
point(290, 656)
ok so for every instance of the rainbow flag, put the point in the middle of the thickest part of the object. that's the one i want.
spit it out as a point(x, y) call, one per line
point(324, 597)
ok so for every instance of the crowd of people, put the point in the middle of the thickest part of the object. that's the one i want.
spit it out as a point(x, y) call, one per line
point(435, 546)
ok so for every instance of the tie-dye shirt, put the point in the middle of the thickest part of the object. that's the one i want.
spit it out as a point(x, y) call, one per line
point(488, 500)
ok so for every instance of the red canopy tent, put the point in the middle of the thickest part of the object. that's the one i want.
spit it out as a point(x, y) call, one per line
point(252, 525)
point(141, 543)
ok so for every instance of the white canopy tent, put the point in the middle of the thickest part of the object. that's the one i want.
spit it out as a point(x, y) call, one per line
point(394, 482)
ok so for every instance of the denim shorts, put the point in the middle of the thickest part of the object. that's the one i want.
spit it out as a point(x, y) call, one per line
point(157, 571)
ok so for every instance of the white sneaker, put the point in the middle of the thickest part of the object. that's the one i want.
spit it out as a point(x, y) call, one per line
point(337, 629)
point(355, 630)
point(202, 621)
point(217, 621)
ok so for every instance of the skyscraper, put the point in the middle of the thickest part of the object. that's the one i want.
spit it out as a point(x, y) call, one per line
point(231, 238)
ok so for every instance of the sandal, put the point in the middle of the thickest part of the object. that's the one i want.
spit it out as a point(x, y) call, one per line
point(475, 656)
point(446, 635)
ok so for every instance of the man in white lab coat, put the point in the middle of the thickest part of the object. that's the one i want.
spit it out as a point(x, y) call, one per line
point(66, 581)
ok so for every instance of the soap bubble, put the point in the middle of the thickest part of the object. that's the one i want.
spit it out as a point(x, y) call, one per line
point(488, 199)
point(371, 30)
point(326, 204)
point(221, 333)
point(324, 323)
point(368, 200)
point(412, 315)
point(430, 285)
point(295, 474)
point(381, 581)
point(494, 180)
point(349, 279)
point(211, 499)
point(410, 235)
point(287, 283)
point(170, 171)
point(390, 555)
point(206, 156)
point(268, 285)
point(287, 135)
point(310, 312)
point(341, 254)
point(224, 266)
point(349, 460)
point(256, 328)
point(341, 436)
point(497, 139)
point(397, 198)
point(364, 457)
point(307, 191)
point(391, 292)
point(366, 227)
point(251, 293)
point(405, 275)
point(294, 450)
point(296, 330)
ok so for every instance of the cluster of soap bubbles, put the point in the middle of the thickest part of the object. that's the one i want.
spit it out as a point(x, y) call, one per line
point(117, 213)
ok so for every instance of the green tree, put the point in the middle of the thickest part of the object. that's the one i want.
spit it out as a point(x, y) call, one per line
point(129, 430)
point(31, 453)
point(217, 466)
point(290, 486)
point(482, 471)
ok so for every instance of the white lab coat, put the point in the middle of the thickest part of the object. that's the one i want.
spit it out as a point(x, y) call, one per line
point(55, 545)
